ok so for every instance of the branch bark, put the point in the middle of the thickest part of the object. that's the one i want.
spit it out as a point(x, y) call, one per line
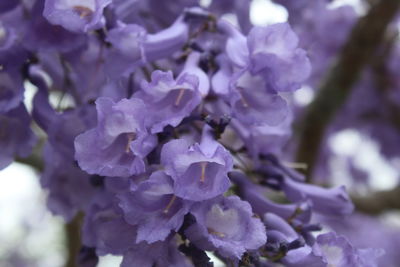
point(364, 40)
point(378, 202)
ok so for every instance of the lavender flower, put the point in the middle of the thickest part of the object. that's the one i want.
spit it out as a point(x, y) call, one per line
point(76, 16)
point(117, 146)
point(169, 100)
point(199, 171)
point(154, 208)
point(334, 201)
point(226, 225)
point(16, 137)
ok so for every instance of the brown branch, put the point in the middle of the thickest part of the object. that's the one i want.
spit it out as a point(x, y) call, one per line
point(364, 40)
point(378, 202)
point(72, 231)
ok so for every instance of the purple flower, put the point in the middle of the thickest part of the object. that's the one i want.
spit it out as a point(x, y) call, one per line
point(61, 177)
point(264, 139)
point(8, 37)
point(43, 36)
point(271, 52)
point(226, 225)
point(329, 202)
point(274, 52)
point(169, 100)
point(278, 229)
point(261, 205)
point(16, 137)
point(154, 208)
point(76, 15)
point(160, 254)
point(337, 251)
point(117, 146)
point(164, 43)
point(128, 39)
point(200, 170)
point(126, 52)
point(11, 91)
point(252, 104)
point(106, 230)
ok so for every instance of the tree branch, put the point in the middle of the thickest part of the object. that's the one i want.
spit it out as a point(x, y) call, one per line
point(356, 54)
point(378, 202)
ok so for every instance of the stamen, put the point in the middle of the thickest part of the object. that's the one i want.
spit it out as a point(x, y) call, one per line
point(244, 102)
point(131, 137)
point(165, 211)
point(203, 171)
point(213, 232)
point(179, 98)
point(83, 11)
point(242, 99)
point(295, 165)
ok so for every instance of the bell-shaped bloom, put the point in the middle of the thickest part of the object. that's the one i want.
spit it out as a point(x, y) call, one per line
point(126, 52)
point(60, 177)
point(330, 202)
point(331, 249)
point(42, 34)
point(16, 137)
point(154, 208)
point(226, 225)
point(76, 15)
point(337, 251)
point(199, 171)
point(274, 51)
point(271, 52)
point(169, 101)
point(264, 139)
point(252, 104)
point(105, 229)
point(117, 146)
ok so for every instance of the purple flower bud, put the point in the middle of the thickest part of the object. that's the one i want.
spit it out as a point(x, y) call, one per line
point(226, 225)
point(276, 223)
point(330, 202)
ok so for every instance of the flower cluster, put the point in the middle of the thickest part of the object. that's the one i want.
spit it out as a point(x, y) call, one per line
point(172, 143)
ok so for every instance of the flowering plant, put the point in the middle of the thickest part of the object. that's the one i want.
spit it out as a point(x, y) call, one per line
point(177, 138)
